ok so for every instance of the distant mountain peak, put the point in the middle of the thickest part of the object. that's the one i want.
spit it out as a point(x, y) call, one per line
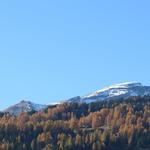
point(24, 101)
point(117, 91)
point(125, 85)
point(24, 106)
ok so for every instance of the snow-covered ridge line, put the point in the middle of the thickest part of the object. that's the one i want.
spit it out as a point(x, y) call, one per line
point(117, 91)
point(114, 92)
point(124, 85)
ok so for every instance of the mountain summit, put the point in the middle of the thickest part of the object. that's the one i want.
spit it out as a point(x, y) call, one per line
point(123, 90)
point(24, 106)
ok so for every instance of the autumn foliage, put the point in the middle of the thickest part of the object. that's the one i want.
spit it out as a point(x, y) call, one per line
point(106, 125)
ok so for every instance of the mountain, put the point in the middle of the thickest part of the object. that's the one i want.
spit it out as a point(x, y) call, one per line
point(24, 106)
point(114, 92)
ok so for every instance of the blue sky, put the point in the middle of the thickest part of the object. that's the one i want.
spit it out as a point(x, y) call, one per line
point(52, 50)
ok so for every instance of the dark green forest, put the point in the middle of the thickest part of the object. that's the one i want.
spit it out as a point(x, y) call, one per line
point(105, 125)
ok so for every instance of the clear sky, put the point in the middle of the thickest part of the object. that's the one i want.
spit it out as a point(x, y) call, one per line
point(53, 50)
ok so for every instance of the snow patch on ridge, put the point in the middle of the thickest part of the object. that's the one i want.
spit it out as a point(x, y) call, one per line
point(115, 90)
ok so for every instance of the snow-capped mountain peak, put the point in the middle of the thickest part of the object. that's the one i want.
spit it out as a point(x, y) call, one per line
point(123, 90)
point(116, 89)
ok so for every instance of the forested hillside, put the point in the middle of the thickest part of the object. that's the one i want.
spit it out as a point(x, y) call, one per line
point(106, 125)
